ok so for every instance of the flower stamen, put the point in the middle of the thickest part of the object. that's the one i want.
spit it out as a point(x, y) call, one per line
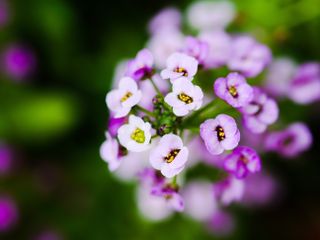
point(182, 70)
point(126, 97)
point(185, 98)
point(220, 133)
point(138, 135)
point(233, 91)
point(172, 155)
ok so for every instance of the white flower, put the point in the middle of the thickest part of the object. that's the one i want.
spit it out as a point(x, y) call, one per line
point(109, 152)
point(136, 135)
point(121, 100)
point(184, 97)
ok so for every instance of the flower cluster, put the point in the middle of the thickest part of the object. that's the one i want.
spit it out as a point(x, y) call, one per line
point(167, 115)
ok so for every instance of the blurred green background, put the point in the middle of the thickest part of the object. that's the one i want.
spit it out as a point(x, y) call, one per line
point(55, 121)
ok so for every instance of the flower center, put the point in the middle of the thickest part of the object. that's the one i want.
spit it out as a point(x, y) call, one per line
point(233, 91)
point(182, 70)
point(220, 133)
point(126, 96)
point(244, 159)
point(138, 135)
point(172, 155)
point(185, 98)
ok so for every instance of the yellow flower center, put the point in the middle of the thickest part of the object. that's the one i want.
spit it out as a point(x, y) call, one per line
point(233, 91)
point(126, 96)
point(185, 98)
point(220, 133)
point(172, 155)
point(182, 70)
point(138, 135)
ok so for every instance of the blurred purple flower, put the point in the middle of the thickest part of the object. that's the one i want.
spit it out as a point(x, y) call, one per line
point(6, 158)
point(171, 196)
point(110, 152)
point(141, 66)
point(180, 65)
point(242, 161)
point(221, 223)
point(18, 62)
point(114, 124)
point(8, 213)
point(166, 20)
point(260, 112)
point(248, 56)
point(220, 134)
point(305, 86)
point(219, 48)
point(234, 89)
point(229, 190)
point(196, 48)
point(290, 142)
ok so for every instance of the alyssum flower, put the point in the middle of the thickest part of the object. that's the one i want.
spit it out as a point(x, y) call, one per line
point(184, 97)
point(136, 135)
point(170, 156)
point(220, 134)
point(121, 100)
point(110, 152)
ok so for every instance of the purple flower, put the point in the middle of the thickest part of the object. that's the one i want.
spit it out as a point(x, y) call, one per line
point(6, 159)
point(19, 62)
point(184, 97)
point(279, 76)
point(290, 142)
point(4, 13)
point(229, 190)
point(200, 202)
point(248, 56)
point(180, 65)
point(219, 48)
point(220, 134)
point(222, 223)
point(8, 213)
point(141, 66)
point(171, 196)
point(166, 20)
point(114, 124)
point(305, 86)
point(210, 15)
point(260, 112)
point(169, 156)
point(110, 152)
point(196, 48)
point(121, 100)
point(163, 44)
point(234, 89)
point(242, 161)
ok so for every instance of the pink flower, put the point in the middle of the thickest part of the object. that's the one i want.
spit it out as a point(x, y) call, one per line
point(219, 48)
point(222, 223)
point(180, 65)
point(114, 124)
point(242, 161)
point(141, 66)
point(196, 48)
point(220, 134)
point(248, 56)
point(8, 213)
point(290, 142)
point(136, 135)
point(260, 112)
point(170, 156)
point(229, 190)
point(234, 89)
point(184, 97)
point(305, 86)
point(121, 100)
point(110, 152)
point(171, 196)
point(167, 19)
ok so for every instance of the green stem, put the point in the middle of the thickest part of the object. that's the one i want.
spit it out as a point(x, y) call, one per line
point(145, 111)
point(155, 87)
point(174, 181)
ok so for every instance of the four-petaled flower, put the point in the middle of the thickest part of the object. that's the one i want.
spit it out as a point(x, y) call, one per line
point(170, 156)
point(242, 161)
point(121, 100)
point(136, 135)
point(220, 134)
point(184, 97)
point(260, 112)
point(234, 89)
point(141, 66)
point(180, 65)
